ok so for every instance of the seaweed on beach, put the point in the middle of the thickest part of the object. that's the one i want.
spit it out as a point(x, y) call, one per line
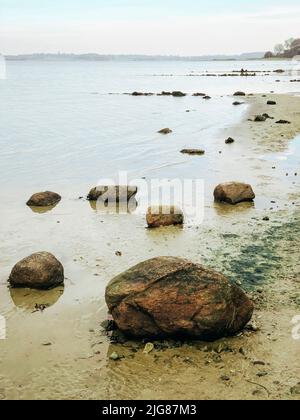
point(261, 257)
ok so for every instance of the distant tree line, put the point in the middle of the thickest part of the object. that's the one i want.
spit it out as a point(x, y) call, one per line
point(289, 49)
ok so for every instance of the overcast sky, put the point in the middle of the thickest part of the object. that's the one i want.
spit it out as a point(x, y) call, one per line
point(181, 27)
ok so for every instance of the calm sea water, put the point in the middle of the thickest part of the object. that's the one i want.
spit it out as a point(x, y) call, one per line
point(60, 127)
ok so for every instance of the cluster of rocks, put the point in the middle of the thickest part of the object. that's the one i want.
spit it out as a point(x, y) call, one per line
point(262, 118)
point(175, 94)
point(231, 192)
point(142, 94)
point(43, 271)
point(163, 297)
point(160, 298)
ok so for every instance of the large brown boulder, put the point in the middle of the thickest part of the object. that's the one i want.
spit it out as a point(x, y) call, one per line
point(158, 216)
point(173, 297)
point(234, 192)
point(44, 199)
point(112, 193)
point(38, 271)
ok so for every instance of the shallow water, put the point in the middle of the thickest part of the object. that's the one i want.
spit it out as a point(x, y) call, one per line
point(56, 133)
point(59, 127)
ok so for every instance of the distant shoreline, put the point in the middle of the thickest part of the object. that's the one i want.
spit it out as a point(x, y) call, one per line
point(130, 57)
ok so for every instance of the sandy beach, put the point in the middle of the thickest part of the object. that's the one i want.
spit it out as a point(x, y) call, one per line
point(62, 352)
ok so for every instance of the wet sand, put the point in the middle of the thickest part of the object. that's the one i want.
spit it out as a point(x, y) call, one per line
point(62, 352)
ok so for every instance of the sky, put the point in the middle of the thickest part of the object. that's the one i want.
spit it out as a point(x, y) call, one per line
point(163, 27)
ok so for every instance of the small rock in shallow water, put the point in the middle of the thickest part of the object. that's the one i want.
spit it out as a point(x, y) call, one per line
point(44, 199)
point(158, 216)
point(178, 94)
point(230, 140)
point(112, 193)
point(283, 122)
point(198, 152)
point(234, 192)
point(239, 94)
point(38, 271)
point(165, 131)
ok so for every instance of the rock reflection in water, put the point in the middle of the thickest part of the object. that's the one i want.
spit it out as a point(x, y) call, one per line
point(31, 300)
point(42, 210)
point(114, 208)
point(225, 209)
